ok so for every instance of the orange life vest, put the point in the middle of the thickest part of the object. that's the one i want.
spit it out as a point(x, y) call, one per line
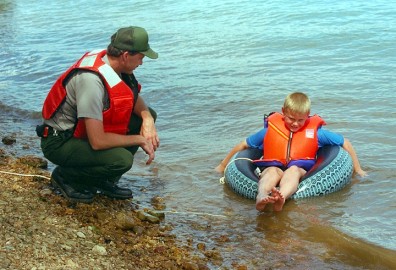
point(116, 117)
point(284, 146)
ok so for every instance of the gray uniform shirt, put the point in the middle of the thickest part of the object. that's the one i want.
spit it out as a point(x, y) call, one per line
point(86, 98)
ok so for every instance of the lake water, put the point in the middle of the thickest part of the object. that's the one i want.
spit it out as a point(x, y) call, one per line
point(222, 65)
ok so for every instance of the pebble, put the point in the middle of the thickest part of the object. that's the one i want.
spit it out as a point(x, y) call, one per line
point(71, 264)
point(190, 266)
point(157, 214)
point(80, 234)
point(147, 217)
point(125, 222)
point(45, 192)
point(139, 230)
point(99, 250)
point(66, 247)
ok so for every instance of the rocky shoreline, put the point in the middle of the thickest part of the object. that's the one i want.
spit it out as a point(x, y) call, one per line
point(40, 229)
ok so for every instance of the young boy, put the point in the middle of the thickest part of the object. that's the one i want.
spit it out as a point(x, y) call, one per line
point(291, 141)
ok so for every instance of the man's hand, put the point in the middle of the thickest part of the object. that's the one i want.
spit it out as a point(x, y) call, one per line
point(148, 148)
point(149, 132)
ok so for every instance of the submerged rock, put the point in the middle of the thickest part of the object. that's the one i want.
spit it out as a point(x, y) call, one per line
point(9, 140)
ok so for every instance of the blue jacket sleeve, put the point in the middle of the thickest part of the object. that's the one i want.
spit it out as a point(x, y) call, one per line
point(256, 140)
point(326, 137)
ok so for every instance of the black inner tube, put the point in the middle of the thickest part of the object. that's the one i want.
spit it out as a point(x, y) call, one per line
point(325, 156)
point(245, 166)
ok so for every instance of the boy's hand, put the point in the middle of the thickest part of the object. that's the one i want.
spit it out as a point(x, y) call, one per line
point(361, 173)
point(220, 168)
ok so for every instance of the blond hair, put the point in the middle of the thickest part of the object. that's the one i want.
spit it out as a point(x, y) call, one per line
point(297, 102)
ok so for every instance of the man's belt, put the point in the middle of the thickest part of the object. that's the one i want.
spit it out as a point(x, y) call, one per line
point(44, 131)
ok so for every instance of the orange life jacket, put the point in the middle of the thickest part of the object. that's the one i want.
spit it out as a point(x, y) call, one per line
point(284, 146)
point(116, 117)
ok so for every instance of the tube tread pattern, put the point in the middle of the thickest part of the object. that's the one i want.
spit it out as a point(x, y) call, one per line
point(333, 177)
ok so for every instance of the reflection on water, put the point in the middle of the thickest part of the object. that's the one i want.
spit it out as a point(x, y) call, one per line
point(279, 231)
point(351, 250)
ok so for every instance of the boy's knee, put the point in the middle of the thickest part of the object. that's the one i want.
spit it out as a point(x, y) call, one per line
point(272, 170)
point(294, 169)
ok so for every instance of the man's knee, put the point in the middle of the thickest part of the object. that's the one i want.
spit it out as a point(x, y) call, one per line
point(123, 163)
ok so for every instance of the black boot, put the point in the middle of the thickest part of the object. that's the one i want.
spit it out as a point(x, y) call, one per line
point(110, 189)
point(69, 189)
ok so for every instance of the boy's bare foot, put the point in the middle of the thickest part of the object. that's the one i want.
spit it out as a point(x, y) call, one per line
point(279, 199)
point(263, 200)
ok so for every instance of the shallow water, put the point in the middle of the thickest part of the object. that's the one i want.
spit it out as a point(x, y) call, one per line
point(223, 65)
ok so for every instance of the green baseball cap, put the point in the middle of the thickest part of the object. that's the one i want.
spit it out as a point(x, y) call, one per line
point(133, 39)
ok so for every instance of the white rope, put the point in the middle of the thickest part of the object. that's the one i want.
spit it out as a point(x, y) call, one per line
point(222, 179)
point(28, 175)
point(194, 213)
